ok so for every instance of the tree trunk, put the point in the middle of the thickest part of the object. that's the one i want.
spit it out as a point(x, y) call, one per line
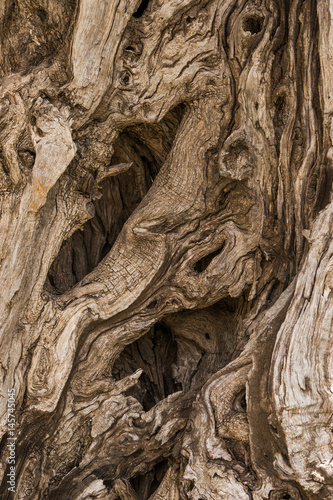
point(166, 249)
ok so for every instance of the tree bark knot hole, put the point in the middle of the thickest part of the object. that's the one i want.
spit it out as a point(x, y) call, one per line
point(202, 264)
point(141, 9)
point(252, 24)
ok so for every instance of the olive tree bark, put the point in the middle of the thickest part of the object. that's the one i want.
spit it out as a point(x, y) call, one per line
point(166, 249)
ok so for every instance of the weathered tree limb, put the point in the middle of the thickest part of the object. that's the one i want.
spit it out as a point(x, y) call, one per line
point(302, 379)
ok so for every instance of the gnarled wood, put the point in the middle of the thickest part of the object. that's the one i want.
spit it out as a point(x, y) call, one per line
point(166, 249)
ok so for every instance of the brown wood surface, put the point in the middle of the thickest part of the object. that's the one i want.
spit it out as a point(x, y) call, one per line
point(166, 252)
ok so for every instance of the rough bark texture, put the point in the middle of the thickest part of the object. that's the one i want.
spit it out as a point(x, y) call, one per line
point(166, 252)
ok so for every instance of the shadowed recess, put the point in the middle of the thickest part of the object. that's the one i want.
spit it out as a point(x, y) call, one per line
point(146, 146)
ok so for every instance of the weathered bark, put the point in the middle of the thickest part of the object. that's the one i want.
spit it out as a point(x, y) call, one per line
point(166, 249)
